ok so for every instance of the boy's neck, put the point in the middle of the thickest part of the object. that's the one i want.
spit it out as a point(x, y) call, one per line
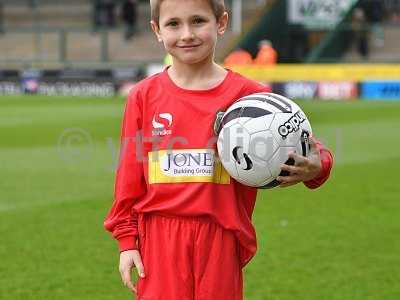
point(197, 77)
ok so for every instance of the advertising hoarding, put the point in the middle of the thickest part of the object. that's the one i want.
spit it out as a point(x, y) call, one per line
point(318, 14)
point(380, 90)
point(337, 90)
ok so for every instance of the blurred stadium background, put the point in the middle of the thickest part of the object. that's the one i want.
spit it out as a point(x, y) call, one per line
point(65, 67)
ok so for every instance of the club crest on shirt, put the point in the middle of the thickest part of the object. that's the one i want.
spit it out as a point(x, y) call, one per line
point(162, 123)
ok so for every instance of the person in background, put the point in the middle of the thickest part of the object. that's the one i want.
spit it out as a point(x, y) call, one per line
point(361, 32)
point(1, 17)
point(393, 9)
point(238, 57)
point(266, 54)
point(104, 13)
point(374, 13)
point(129, 17)
point(109, 6)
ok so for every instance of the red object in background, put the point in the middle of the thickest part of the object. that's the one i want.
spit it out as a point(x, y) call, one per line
point(238, 57)
point(339, 90)
point(266, 55)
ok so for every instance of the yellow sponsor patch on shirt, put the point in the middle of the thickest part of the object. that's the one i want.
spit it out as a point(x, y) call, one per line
point(186, 165)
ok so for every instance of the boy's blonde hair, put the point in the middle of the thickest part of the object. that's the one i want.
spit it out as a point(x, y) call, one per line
point(217, 6)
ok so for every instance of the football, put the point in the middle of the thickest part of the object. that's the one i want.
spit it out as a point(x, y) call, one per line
point(256, 135)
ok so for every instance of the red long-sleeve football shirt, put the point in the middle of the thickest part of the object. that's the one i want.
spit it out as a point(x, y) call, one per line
point(167, 160)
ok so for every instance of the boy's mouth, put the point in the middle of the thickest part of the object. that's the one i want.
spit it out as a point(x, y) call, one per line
point(188, 46)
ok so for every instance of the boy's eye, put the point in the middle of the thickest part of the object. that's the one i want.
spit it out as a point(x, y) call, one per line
point(172, 23)
point(198, 21)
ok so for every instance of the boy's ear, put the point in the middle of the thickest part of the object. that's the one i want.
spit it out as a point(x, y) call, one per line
point(156, 30)
point(223, 23)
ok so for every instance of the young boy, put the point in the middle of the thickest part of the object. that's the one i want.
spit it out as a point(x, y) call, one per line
point(178, 217)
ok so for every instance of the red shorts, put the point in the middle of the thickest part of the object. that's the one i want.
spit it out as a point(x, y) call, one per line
point(188, 259)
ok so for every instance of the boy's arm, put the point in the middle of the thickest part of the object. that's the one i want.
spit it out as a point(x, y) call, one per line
point(121, 221)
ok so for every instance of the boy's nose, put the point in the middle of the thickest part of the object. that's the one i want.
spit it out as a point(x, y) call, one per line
point(187, 34)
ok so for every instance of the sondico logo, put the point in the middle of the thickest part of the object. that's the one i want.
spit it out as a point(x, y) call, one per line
point(291, 125)
point(161, 123)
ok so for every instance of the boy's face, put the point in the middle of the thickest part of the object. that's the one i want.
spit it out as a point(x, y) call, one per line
point(189, 29)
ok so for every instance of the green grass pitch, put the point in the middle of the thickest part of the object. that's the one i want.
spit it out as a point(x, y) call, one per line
point(57, 157)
